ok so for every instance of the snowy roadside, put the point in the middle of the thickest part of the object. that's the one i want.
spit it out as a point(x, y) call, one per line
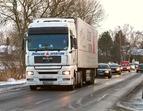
point(133, 101)
point(11, 84)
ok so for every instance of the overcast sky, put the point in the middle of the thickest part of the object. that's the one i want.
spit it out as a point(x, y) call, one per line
point(120, 12)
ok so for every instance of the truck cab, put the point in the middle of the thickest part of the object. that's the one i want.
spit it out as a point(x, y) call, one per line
point(50, 52)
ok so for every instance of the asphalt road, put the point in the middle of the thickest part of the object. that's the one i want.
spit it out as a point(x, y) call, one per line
point(99, 97)
point(132, 101)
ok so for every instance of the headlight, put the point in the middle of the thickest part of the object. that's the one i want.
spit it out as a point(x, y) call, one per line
point(66, 72)
point(29, 73)
point(118, 69)
point(128, 67)
point(107, 71)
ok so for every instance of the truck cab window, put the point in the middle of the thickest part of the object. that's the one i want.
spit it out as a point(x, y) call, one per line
point(48, 42)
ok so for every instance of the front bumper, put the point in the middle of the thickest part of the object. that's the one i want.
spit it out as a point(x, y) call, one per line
point(139, 70)
point(52, 76)
point(102, 73)
point(115, 71)
point(49, 81)
point(125, 69)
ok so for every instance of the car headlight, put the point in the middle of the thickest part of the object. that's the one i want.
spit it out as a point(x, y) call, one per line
point(66, 72)
point(117, 69)
point(128, 67)
point(106, 71)
point(29, 73)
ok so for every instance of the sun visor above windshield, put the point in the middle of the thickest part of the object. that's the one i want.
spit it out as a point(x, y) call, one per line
point(47, 30)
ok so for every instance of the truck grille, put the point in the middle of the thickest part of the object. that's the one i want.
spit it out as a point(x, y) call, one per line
point(48, 72)
point(50, 79)
point(47, 59)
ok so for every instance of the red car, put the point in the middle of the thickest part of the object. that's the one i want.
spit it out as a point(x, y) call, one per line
point(125, 66)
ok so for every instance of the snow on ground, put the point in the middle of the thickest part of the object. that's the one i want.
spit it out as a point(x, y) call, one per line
point(12, 81)
point(11, 84)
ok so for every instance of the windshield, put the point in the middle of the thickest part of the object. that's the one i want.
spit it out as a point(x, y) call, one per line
point(141, 65)
point(125, 64)
point(103, 66)
point(48, 42)
point(114, 65)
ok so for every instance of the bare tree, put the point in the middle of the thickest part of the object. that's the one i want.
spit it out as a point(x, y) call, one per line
point(20, 13)
point(134, 37)
point(139, 40)
point(1, 37)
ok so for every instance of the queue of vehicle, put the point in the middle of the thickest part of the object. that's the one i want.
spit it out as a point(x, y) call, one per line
point(109, 69)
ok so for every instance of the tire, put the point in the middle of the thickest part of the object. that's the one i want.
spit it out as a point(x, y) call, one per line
point(72, 87)
point(110, 76)
point(97, 76)
point(92, 77)
point(81, 83)
point(92, 81)
point(81, 80)
point(33, 88)
point(137, 71)
point(119, 73)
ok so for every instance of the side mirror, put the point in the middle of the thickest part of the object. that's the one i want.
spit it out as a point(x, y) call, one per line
point(75, 43)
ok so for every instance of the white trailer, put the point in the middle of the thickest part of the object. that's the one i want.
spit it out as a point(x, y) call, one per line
point(60, 51)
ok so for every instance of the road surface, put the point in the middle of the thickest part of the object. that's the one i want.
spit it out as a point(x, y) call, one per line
point(99, 97)
point(132, 101)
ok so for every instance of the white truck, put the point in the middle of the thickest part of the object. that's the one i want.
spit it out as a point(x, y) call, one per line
point(60, 51)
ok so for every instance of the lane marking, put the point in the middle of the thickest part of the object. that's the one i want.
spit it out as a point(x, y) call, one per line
point(102, 97)
point(42, 101)
point(71, 107)
point(79, 101)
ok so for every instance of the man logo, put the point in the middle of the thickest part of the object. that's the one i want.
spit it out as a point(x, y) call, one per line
point(46, 54)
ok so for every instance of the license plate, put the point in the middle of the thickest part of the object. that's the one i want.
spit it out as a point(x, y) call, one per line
point(47, 82)
point(101, 73)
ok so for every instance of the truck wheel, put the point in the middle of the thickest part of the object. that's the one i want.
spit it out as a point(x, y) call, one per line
point(92, 81)
point(93, 76)
point(33, 87)
point(97, 76)
point(81, 79)
point(72, 87)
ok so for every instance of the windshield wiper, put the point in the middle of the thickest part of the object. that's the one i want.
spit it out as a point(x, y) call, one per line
point(54, 49)
point(34, 49)
point(45, 49)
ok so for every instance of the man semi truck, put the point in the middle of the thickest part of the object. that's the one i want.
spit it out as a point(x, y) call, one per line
point(60, 51)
